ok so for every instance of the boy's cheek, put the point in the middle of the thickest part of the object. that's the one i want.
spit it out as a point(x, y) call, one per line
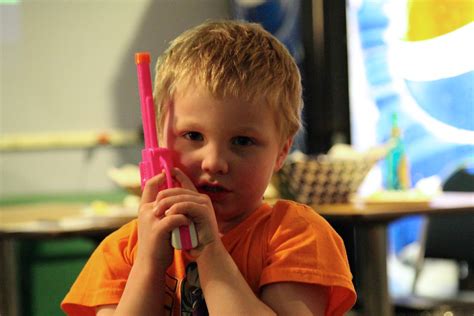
point(185, 164)
point(176, 157)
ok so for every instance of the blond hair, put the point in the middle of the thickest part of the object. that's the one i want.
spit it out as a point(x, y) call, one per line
point(232, 59)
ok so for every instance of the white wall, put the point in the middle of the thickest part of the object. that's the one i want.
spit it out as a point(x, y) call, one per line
point(69, 66)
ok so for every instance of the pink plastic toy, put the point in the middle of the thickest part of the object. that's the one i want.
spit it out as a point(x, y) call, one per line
point(155, 158)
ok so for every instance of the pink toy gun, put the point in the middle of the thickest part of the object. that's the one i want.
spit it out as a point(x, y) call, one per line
point(154, 158)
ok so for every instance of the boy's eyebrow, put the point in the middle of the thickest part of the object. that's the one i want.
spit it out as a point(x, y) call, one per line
point(247, 130)
point(188, 123)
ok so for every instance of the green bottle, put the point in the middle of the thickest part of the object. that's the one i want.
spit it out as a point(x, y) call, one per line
point(398, 173)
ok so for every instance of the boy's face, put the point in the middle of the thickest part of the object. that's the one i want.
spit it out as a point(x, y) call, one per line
point(228, 148)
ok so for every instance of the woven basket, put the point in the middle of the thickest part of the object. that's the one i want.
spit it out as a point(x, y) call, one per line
point(321, 180)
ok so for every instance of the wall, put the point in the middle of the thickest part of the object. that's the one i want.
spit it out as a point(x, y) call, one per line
point(68, 66)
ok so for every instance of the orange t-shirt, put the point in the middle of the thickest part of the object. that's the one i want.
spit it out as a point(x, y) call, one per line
point(280, 243)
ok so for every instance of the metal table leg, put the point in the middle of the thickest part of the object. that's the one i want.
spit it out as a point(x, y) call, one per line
point(371, 258)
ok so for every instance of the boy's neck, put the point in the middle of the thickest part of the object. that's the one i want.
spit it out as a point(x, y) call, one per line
point(226, 226)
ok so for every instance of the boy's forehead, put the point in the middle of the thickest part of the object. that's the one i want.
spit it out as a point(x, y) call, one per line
point(248, 99)
point(202, 96)
point(193, 92)
point(191, 107)
point(223, 89)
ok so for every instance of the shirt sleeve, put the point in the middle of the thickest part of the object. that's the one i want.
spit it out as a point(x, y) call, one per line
point(303, 247)
point(103, 278)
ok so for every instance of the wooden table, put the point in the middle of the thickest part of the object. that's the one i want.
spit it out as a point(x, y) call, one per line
point(370, 223)
point(44, 221)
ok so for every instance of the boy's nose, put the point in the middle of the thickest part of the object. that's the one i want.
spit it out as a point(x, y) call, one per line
point(214, 160)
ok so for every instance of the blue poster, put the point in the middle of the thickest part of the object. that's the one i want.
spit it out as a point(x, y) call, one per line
point(414, 58)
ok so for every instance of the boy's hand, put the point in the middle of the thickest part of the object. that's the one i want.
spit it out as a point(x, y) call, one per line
point(154, 229)
point(187, 201)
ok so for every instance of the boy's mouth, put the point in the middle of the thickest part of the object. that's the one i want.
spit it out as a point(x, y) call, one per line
point(212, 188)
point(215, 192)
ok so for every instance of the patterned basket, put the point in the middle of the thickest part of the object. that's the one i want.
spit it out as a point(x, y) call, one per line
point(322, 180)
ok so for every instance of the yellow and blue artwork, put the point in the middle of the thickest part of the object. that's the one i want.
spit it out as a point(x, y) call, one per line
point(414, 58)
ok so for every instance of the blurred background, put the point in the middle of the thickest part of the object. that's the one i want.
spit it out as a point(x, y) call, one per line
point(68, 70)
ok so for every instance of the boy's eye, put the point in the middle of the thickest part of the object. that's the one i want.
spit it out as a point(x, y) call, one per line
point(195, 136)
point(243, 141)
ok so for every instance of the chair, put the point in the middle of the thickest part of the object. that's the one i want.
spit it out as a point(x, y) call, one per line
point(447, 236)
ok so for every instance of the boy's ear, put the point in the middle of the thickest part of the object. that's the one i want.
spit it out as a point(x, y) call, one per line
point(282, 154)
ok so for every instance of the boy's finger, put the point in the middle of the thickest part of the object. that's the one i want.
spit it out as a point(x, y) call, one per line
point(152, 187)
point(183, 179)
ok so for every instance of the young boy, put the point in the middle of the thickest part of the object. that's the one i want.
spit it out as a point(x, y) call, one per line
point(228, 98)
